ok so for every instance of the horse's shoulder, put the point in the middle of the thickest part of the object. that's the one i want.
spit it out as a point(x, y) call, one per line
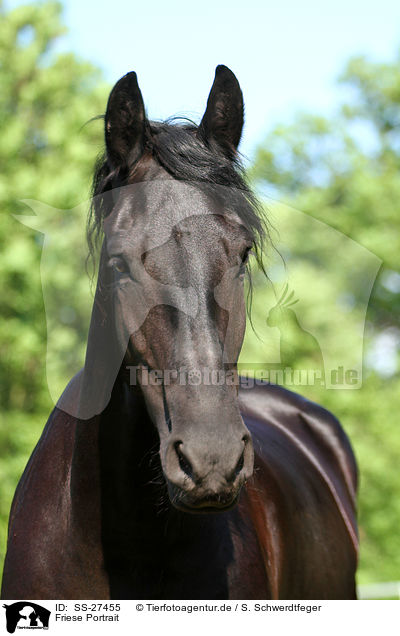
point(39, 510)
point(277, 400)
point(308, 426)
point(55, 444)
point(48, 468)
point(49, 459)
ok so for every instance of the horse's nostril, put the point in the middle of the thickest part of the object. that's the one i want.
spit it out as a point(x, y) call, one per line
point(184, 464)
point(239, 465)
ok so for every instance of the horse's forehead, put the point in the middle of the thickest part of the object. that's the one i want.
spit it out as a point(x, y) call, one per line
point(150, 210)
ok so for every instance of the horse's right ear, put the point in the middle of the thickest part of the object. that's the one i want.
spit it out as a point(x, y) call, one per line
point(125, 122)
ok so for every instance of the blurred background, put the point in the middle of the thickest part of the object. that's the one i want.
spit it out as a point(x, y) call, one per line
point(322, 148)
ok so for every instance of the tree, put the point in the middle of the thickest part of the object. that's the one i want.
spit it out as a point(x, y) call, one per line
point(47, 153)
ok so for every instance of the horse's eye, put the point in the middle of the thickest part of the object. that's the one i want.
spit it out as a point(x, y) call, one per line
point(243, 262)
point(246, 255)
point(244, 259)
point(118, 264)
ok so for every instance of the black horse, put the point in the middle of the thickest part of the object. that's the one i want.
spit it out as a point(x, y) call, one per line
point(153, 478)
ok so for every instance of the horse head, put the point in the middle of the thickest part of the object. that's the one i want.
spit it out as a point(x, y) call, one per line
point(179, 224)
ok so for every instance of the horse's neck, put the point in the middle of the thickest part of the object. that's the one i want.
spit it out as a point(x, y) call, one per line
point(115, 454)
point(128, 445)
point(135, 504)
point(123, 507)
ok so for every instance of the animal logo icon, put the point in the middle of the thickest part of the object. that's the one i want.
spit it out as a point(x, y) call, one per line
point(25, 614)
point(296, 343)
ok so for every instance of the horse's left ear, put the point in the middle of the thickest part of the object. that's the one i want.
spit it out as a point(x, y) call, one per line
point(223, 120)
point(125, 122)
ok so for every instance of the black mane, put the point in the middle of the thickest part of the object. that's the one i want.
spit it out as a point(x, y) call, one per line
point(175, 145)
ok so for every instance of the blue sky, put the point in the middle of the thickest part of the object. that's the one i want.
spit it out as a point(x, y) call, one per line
point(286, 54)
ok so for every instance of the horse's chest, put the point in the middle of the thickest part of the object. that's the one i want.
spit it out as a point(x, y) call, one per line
point(210, 559)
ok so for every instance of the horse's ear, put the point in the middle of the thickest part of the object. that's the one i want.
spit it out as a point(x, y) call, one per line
point(223, 120)
point(125, 122)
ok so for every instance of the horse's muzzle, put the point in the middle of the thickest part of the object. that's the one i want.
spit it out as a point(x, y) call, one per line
point(207, 479)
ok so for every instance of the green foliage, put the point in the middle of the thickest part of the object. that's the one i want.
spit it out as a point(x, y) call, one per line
point(345, 172)
point(47, 153)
